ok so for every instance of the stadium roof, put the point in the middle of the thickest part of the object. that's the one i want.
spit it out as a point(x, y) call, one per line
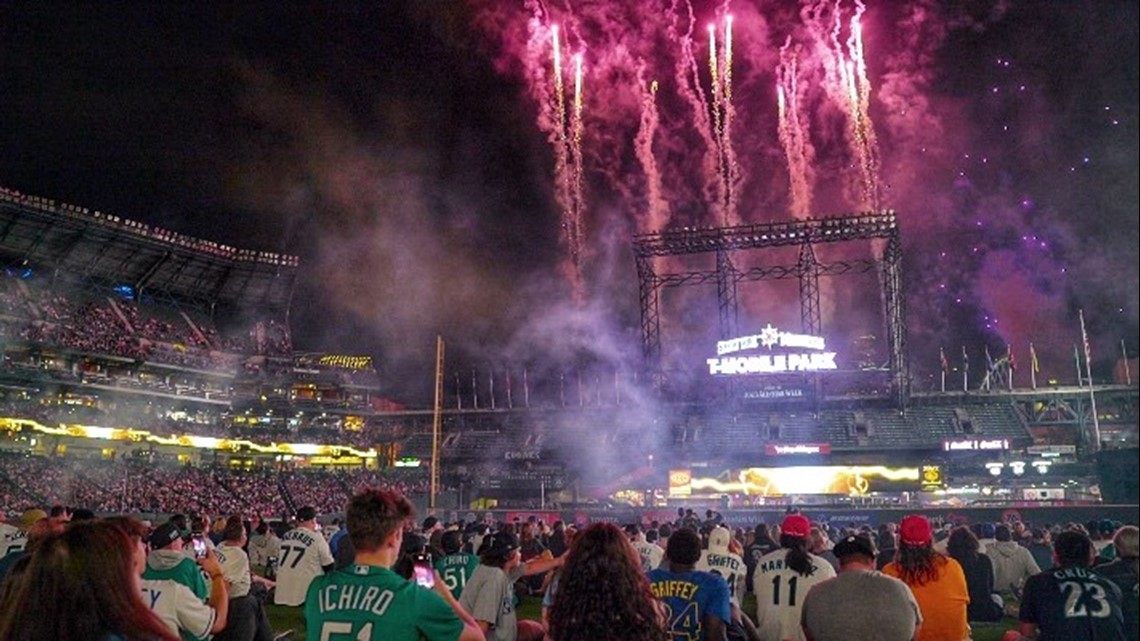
point(88, 244)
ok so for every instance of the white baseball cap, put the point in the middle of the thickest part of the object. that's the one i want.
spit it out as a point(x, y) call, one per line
point(719, 538)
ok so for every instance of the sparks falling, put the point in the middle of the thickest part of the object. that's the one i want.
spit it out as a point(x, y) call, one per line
point(657, 212)
point(794, 136)
point(568, 162)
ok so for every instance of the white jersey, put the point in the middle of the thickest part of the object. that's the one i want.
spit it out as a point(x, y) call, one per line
point(178, 607)
point(304, 553)
point(235, 569)
point(12, 539)
point(780, 593)
point(730, 567)
point(650, 553)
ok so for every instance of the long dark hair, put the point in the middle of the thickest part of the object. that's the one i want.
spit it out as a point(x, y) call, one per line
point(797, 557)
point(602, 593)
point(918, 565)
point(78, 585)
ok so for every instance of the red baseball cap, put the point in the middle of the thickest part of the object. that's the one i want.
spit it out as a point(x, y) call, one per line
point(915, 530)
point(796, 525)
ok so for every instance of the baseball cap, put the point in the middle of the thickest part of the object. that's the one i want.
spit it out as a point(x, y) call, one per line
point(854, 544)
point(499, 544)
point(796, 525)
point(915, 530)
point(30, 518)
point(307, 513)
point(164, 535)
point(430, 522)
point(719, 538)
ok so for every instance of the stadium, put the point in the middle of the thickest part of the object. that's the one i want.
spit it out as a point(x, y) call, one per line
point(139, 362)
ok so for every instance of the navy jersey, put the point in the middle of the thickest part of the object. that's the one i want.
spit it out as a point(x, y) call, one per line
point(689, 598)
point(1073, 604)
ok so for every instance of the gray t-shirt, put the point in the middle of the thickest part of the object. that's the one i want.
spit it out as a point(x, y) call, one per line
point(490, 596)
point(861, 605)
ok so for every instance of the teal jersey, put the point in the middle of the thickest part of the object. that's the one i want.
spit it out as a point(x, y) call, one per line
point(185, 572)
point(456, 569)
point(370, 603)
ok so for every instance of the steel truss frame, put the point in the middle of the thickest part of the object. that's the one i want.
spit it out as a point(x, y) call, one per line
point(805, 234)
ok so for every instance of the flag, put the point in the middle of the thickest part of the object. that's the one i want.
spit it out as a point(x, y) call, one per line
point(942, 358)
point(1033, 366)
point(965, 360)
point(989, 359)
point(1077, 358)
point(1009, 355)
point(1085, 340)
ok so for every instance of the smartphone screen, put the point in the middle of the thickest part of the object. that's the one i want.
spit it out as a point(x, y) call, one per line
point(422, 570)
point(199, 546)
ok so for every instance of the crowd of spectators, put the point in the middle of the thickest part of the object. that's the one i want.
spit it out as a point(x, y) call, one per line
point(135, 486)
point(119, 327)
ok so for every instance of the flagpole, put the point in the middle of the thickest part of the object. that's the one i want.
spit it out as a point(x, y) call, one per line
point(1088, 374)
point(942, 366)
point(1009, 363)
point(1032, 366)
point(1127, 369)
point(965, 370)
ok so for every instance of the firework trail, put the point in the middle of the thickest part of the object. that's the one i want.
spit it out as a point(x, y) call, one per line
point(867, 145)
point(732, 167)
point(715, 88)
point(687, 76)
point(656, 208)
point(847, 85)
point(567, 147)
point(794, 138)
point(720, 87)
point(577, 204)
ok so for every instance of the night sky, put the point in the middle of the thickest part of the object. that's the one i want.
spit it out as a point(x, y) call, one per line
point(408, 152)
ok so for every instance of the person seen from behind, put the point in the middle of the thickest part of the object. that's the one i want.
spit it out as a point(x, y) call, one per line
point(937, 581)
point(697, 605)
point(1071, 602)
point(80, 584)
point(887, 610)
point(603, 594)
point(368, 601)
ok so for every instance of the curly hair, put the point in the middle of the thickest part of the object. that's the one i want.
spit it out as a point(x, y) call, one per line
point(919, 565)
point(602, 593)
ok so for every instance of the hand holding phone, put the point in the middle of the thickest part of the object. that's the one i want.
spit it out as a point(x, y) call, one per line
point(422, 570)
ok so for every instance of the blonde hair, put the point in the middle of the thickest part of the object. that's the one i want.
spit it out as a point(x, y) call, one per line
point(1127, 542)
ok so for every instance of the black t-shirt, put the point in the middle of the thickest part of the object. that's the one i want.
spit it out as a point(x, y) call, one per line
point(1124, 576)
point(979, 572)
point(1073, 604)
point(753, 553)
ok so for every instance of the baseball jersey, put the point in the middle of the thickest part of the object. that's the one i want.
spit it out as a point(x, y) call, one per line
point(689, 597)
point(183, 612)
point(12, 539)
point(650, 553)
point(1073, 604)
point(235, 568)
point(727, 565)
point(371, 603)
point(780, 593)
point(456, 569)
point(490, 596)
point(304, 553)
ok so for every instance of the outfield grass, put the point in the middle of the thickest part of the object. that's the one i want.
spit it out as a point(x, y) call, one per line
point(531, 608)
